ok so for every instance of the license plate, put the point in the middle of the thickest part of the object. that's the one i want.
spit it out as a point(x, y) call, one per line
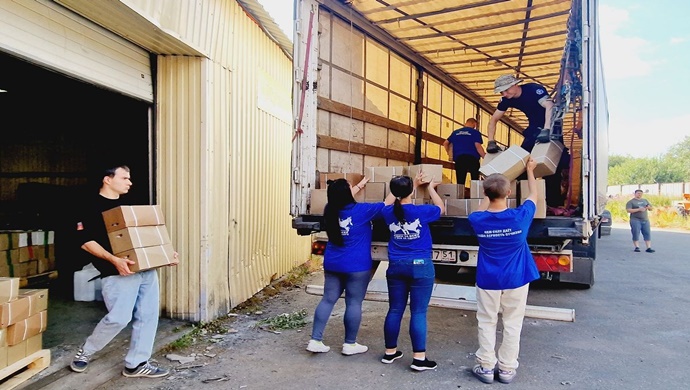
point(444, 256)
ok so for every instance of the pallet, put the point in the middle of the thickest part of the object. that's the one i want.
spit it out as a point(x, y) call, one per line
point(34, 363)
point(34, 280)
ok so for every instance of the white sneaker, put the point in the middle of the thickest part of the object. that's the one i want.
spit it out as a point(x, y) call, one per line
point(353, 349)
point(317, 346)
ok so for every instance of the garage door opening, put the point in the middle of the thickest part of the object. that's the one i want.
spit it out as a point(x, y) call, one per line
point(54, 131)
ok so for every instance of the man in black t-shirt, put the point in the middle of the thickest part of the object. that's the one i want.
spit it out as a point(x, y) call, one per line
point(129, 296)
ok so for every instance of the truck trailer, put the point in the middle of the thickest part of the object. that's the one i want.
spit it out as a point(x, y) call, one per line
point(384, 84)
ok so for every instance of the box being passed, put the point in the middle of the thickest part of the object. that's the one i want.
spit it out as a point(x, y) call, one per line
point(547, 156)
point(128, 216)
point(511, 163)
point(150, 257)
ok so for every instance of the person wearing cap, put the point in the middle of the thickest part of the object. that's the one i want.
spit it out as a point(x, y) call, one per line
point(464, 147)
point(530, 98)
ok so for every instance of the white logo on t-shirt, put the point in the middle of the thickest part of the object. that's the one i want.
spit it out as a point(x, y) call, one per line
point(345, 225)
point(406, 230)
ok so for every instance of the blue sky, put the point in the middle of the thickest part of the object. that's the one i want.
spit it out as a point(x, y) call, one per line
point(645, 49)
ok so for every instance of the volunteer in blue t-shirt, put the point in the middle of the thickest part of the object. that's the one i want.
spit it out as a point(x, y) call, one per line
point(410, 274)
point(347, 262)
point(533, 100)
point(505, 268)
point(464, 147)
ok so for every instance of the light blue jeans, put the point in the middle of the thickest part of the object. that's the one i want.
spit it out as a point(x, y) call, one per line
point(354, 284)
point(638, 226)
point(413, 279)
point(128, 297)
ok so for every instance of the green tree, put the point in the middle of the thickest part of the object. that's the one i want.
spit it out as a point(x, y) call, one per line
point(645, 171)
point(678, 157)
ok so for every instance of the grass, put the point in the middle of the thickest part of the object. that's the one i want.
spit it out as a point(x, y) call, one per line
point(198, 330)
point(285, 321)
point(663, 215)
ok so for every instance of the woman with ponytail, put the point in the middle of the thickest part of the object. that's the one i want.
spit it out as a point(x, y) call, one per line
point(410, 274)
point(347, 262)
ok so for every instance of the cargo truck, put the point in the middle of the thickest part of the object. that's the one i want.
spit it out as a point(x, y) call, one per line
point(384, 84)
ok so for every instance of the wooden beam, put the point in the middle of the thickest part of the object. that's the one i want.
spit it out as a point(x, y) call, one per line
point(361, 115)
point(483, 28)
point(324, 141)
point(463, 7)
point(495, 43)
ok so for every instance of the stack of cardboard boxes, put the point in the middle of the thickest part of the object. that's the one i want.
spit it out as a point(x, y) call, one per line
point(377, 188)
point(23, 319)
point(138, 233)
point(512, 162)
point(25, 253)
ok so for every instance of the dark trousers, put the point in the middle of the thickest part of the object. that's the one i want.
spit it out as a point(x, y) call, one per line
point(465, 164)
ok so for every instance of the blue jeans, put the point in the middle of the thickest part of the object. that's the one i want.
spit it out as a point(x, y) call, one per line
point(355, 286)
point(640, 225)
point(128, 297)
point(413, 279)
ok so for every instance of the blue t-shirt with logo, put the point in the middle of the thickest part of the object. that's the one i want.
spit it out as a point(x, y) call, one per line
point(412, 239)
point(504, 261)
point(463, 142)
point(528, 103)
point(355, 226)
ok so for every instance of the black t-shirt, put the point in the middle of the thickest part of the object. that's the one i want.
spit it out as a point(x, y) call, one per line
point(93, 229)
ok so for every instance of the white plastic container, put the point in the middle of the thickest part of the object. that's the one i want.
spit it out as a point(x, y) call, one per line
point(84, 290)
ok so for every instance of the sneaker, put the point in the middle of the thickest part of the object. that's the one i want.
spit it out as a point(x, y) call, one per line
point(544, 136)
point(650, 250)
point(80, 361)
point(506, 376)
point(317, 346)
point(388, 359)
point(354, 348)
point(423, 365)
point(636, 249)
point(148, 369)
point(485, 375)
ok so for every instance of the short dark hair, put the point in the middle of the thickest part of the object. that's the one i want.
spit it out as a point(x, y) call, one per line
point(496, 186)
point(636, 191)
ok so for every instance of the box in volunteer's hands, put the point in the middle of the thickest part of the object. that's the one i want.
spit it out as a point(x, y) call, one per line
point(510, 163)
point(128, 216)
point(150, 257)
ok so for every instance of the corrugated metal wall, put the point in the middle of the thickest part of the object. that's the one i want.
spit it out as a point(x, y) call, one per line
point(224, 127)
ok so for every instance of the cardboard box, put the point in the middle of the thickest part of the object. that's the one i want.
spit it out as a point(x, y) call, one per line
point(38, 299)
point(451, 191)
point(128, 216)
point(375, 191)
point(150, 257)
point(42, 237)
point(26, 348)
point(352, 178)
point(420, 201)
point(138, 237)
point(461, 207)
point(488, 157)
point(429, 171)
point(27, 328)
point(9, 287)
point(547, 156)
point(317, 201)
point(14, 311)
point(524, 189)
point(13, 239)
point(383, 174)
point(510, 163)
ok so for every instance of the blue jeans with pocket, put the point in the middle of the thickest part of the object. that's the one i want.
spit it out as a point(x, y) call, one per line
point(413, 279)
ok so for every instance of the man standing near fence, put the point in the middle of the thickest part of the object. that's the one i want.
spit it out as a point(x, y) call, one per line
point(639, 221)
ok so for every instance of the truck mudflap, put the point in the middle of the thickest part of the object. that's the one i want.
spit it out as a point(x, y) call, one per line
point(582, 274)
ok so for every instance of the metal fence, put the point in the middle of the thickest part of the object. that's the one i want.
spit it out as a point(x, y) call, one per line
point(673, 190)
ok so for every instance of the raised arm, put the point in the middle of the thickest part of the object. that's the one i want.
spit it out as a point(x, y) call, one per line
point(532, 181)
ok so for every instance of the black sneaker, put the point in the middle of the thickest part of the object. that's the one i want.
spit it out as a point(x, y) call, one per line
point(80, 361)
point(388, 359)
point(650, 250)
point(423, 365)
point(636, 250)
point(148, 369)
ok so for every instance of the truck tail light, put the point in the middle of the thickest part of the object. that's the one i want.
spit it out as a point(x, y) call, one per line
point(553, 262)
point(318, 247)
